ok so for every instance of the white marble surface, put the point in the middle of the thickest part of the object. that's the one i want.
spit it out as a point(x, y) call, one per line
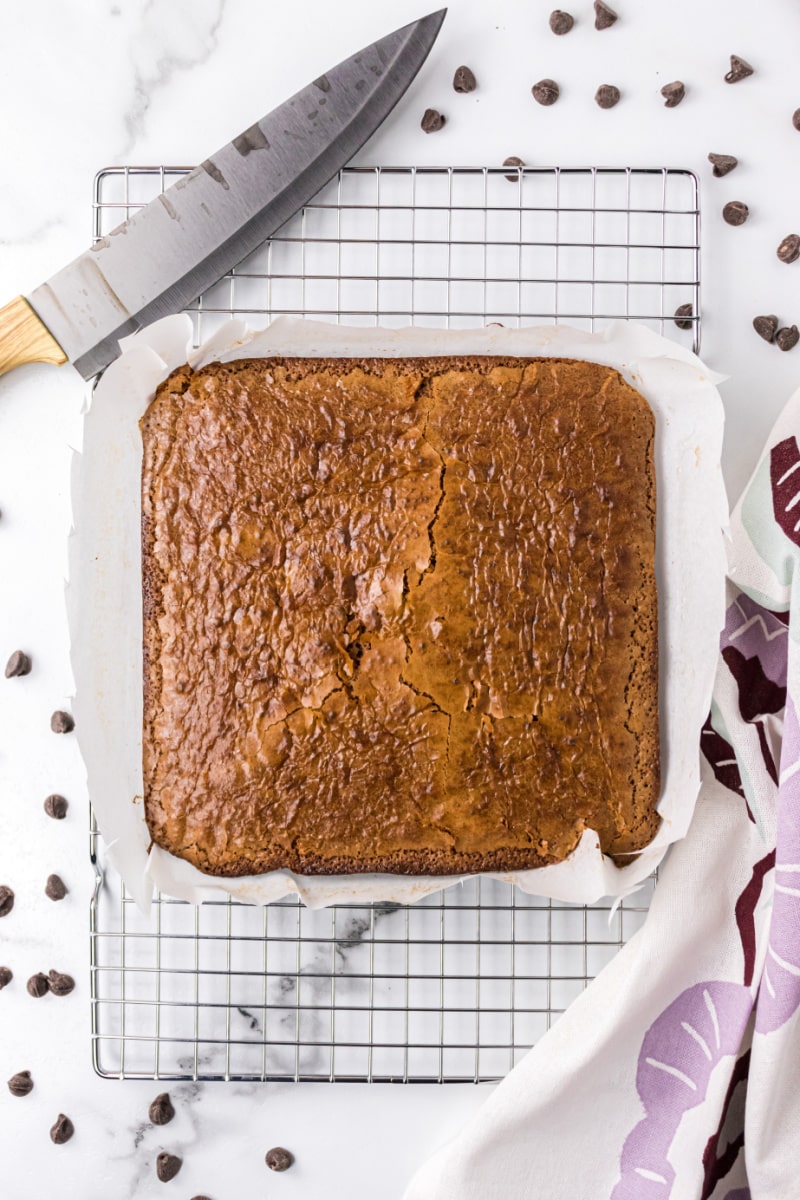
point(86, 83)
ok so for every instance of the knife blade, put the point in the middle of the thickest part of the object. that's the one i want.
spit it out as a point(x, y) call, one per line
point(176, 246)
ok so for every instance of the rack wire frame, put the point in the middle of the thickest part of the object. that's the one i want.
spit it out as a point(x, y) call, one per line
point(458, 986)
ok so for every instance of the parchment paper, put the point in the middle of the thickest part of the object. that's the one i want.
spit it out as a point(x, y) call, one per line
point(104, 589)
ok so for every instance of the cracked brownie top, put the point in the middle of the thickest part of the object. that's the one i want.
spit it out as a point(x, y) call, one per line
point(399, 615)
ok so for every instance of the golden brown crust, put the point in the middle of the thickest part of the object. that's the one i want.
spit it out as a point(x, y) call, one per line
point(399, 615)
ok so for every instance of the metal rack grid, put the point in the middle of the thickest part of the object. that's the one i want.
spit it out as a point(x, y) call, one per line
point(460, 247)
point(459, 985)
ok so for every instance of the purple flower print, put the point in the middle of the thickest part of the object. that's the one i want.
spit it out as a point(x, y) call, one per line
point(702, 1026)
point(756, 632)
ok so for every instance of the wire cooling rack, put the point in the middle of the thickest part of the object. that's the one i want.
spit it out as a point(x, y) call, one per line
point(459, 985)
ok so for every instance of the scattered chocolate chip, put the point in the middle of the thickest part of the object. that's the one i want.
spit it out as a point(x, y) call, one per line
point(545, 92)
point(20, 1084)
point(796, 118)
point(6, 975)
point(739, 69)
point(604, 17)
point(278, 1159)
point(683, 316)
point(787, 338)
point(673, 93)
point(38, 985)
point(61, 985)
point(55, 888)
point(200, 1198)
point(789, 249)
point(766, 327)
point(62, 722)
point(167, 1166)
point(62, 1131)
point(161, 1110)
point(561, 22)
point(722, 164)
point(6, 900)
point(607, 95)
point(464, 80)
point(432, 121)
point(56, 807)
point(735, 212)
point(18, 664)
point(513, 161)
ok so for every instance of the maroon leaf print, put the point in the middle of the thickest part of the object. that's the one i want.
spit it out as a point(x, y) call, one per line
point(758, 695)
point(784, 470)
point(715, 1165)
point(745, 913)
point(722, 759)
point(766, 753)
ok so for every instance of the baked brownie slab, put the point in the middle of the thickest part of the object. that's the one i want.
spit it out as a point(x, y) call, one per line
point(399, 615)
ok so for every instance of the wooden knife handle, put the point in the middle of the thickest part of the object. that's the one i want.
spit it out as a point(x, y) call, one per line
point(24, 339)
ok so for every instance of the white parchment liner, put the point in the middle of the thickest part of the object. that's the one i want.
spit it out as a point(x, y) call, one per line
point(104, 590)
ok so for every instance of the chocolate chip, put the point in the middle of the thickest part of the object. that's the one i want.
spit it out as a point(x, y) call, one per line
point(545, 92)
point(604, 17)
point(55, 888)
point(673, 93)
point(20, 1084)
point(796, 118)
point(464, 80)
point(62, 1131)
point(787, 338)
point(607, 95)
point(61, 985)
point(167, 1166)
point(735, 212)
point(6, 900)
point(561, 22)
point(278, 1159)
point(683, 316)
point(18, 664)
point(161, 1110)
point(739, 69)
point(513, 161)
point(766, 327)
point(789, 249)
point(56, 807)
point(61, 722)
point(432, 121)
point(6, 975)
point(38, 985)
point(722, 164)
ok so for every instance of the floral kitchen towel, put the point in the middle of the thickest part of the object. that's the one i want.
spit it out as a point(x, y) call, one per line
point(677, 1073)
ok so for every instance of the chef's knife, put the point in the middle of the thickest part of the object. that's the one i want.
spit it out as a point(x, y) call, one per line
point(175, 247)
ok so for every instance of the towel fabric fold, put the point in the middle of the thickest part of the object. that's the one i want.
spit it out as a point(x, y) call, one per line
point(677, 1072)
